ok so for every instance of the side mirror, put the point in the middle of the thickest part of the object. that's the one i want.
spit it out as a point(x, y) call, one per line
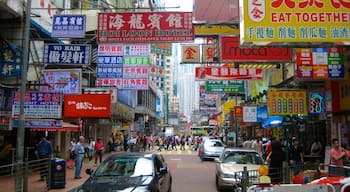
point(89, 171)
point(163, 170)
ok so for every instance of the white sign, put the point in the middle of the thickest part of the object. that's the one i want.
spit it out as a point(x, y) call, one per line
point(249, 114)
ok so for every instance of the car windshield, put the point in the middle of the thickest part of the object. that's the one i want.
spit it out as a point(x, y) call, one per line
point(129, 167)
point(240, 157)
point(213, 143)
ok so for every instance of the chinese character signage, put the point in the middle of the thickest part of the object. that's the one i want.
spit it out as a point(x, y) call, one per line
point(110, 50)
point(228, 73)
point(130, 61)
point(137, 50)
point(66, 81)
point(320, 63)
point(231, 51)
point(208, 53)
point(190, 54)
point(145, 27)
point(10, 59)
point(110, 61)
point(286, 21)
point(38, 105)
point(316, 103)
point(109, 72)
point(68, 26)
point(72, 54)
point(139, 84)
point(287, 102)
point(224, 86)
point(238, 111)
point(161, 48)
point(87, 105)
point(136, 72)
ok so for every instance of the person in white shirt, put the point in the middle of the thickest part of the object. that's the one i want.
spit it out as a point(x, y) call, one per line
point(257, 145)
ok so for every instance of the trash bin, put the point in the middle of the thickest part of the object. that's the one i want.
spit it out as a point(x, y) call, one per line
point(58, 173)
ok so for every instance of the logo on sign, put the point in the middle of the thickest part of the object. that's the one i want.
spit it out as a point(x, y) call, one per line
point(256, 10)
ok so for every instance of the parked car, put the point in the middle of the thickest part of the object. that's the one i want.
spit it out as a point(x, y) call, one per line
point(230, 166)
point(211, 148)
point(137, 172)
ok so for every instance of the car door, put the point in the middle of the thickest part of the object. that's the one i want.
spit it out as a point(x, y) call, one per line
point(164, 179)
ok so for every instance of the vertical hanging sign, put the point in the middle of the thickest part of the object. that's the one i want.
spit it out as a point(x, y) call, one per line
point(316, 103)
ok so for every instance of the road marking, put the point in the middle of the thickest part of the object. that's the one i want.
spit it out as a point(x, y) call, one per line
point(172, 159)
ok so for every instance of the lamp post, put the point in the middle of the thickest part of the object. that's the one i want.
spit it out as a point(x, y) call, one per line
point(20, 129)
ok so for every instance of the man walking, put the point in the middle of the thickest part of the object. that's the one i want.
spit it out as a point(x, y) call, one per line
point(296, 156)
point(79, 156)
point(44, 153)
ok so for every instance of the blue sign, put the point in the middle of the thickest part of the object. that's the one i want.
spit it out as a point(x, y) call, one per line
point(262, 113)
point(68, 26)
point(109, 72)
point(67, 54)
point(110, 61)
point(336, 71)
point(10, 59)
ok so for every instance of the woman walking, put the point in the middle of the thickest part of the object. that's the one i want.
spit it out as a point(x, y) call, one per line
point(99, 148)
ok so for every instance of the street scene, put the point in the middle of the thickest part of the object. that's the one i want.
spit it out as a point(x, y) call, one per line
point(175, 95)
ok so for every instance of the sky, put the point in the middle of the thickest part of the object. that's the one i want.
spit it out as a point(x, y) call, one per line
point(184, 5)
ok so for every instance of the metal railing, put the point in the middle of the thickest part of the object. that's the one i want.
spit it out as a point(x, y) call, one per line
point(26, 173)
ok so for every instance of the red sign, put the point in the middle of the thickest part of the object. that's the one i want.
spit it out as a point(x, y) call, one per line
point(238, 111)
point(228, 73)
point(145, 27)
point(87, 105)
point(230, 51)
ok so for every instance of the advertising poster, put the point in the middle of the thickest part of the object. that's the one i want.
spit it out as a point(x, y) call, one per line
point(66, 81)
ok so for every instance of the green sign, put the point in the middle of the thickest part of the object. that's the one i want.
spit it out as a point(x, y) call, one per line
point(224, 86)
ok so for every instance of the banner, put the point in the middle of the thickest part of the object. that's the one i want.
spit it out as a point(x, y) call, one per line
point(87, 105)
point(145, 27)
point(295, 21)
point(287, 102)
point(227, 73)
point(231, 51)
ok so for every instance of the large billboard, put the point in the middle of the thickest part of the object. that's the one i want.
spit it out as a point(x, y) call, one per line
point(287, 102)
point(145, 27)
point(295, 21)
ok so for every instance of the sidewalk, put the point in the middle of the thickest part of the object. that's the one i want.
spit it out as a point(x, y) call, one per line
point(34, 185)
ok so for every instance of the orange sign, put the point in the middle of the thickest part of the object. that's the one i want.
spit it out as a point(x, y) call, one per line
point(87, 105)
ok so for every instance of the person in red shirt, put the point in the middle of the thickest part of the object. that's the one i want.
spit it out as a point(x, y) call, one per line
point(99, 148)
point(337, 153)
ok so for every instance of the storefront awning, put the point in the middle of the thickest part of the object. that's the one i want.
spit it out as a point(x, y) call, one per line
point(41, 33)
point(65, 127)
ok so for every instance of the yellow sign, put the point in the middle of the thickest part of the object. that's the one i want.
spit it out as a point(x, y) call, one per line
point(190, 54)
point(270, 21)
point(208, 53)
point(203, 30)
point(287, 102)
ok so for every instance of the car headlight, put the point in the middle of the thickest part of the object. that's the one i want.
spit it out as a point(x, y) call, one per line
point(225, 175)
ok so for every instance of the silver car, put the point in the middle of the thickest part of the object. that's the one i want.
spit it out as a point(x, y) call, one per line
point(211, 148)
point(230, 165)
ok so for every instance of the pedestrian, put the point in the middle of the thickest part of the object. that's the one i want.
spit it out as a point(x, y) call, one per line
point(110, 143)
point(99, 148)
point(337, 153)
point(79, 156)
point(44, 148)
point(275, 159)
point(91, 148)
point(316, 148)
point(71, 151)
point(257, 145)
point(296, 155)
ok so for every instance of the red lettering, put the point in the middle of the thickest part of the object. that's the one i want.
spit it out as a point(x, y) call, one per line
point(278, 3)
point(339, 3)
point(310, 3)
point(256, 3)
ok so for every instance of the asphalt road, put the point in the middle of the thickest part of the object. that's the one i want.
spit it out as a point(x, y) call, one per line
point(190, 173)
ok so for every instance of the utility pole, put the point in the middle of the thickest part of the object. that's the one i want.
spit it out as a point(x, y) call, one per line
point(20, 129)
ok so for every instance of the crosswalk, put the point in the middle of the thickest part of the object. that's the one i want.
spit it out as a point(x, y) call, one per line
point(177, 152)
